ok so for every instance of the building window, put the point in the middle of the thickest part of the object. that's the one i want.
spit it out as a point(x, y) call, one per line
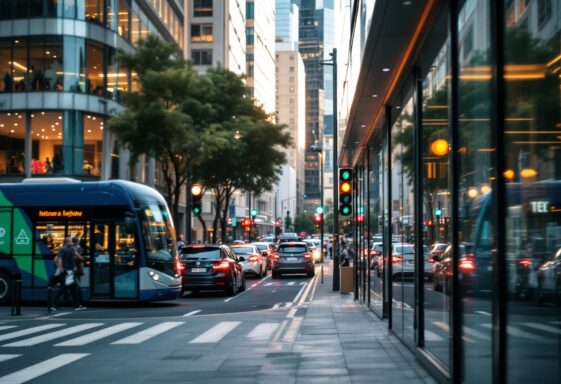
point(202, 8)
point(468, 43)
point(201, 56)
point(201, 33)
point(249, 37)
point(544, 11)
point(250, 10)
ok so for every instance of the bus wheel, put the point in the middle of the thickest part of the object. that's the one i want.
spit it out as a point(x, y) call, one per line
point(5, 287)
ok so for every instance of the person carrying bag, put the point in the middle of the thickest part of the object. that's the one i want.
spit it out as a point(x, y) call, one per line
point(67, 267)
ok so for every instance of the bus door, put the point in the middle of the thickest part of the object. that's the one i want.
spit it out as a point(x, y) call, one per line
point(114, 265)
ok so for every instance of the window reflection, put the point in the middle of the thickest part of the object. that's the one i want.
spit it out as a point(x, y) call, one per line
point(12, 143)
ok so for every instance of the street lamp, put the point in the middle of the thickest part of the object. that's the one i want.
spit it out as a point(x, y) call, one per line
point(319, 149)
point(335, 255)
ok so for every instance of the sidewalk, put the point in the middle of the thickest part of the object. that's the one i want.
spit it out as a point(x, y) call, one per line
point(344, 342)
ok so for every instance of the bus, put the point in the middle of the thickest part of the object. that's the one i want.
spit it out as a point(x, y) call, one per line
point(533, 234)
point(124, 229)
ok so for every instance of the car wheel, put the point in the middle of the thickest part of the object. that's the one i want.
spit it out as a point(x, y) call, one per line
point(242, 288)
point(539, 295)
point(275, 275)
point(435, 284)
point(194, 291)
point(312, 274)
point(234, 288)
point(5, 288)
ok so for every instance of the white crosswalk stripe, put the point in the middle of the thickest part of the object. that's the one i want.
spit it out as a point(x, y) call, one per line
point(517, 332)
point(263, 331)
point(53, 335)
point(97, 335)
point(4, 327)
point(472, 332)
point(216, 333)
point(431, 336)
point(291, 283)
point(42, 368)
point(268, 284)
point(543, 327)
point(6, 357)
point(29, 331)
point(149, 333)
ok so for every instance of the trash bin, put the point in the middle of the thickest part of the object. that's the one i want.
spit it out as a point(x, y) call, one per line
point(347, 280)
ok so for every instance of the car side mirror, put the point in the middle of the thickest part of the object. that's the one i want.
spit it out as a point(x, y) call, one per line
point(264, 253)
point(435, 258)
point(241, 258)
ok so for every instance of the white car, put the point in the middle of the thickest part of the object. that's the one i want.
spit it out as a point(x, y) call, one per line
point(254, 262)
point(314, 247)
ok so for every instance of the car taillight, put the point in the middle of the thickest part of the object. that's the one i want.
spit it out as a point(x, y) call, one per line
point(179, 267)
point(396, 259)
point(466, 264)
point(254, 259)
point(525, 263)
point(221, 266)
point(431, 260)
point(307, 256)
point(275, 256)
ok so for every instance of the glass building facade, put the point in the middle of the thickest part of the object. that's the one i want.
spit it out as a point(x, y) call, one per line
point(60, 81)
point(458, 176)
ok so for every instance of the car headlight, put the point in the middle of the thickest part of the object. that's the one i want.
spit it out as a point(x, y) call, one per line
point(154, 275)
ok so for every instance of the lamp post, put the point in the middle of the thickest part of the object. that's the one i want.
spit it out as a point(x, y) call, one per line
point(319, 150)
point(335, 244)
point(282, 206)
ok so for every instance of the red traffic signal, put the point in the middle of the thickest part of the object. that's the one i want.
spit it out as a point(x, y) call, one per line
point(317, 218)
point(278, 223)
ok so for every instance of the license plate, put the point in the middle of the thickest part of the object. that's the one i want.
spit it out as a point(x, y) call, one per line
point(291, 259)
point(196, 270)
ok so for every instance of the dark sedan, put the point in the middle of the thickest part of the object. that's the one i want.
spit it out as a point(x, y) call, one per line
point(293, 257)
point(211, 267)
point(442, 269)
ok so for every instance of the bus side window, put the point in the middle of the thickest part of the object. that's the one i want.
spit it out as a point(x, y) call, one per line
point(49, 237)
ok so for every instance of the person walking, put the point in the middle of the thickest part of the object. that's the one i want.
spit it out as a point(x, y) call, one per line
point(67, 267)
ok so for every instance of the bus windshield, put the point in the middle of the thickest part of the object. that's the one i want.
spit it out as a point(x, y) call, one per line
point(159, 233)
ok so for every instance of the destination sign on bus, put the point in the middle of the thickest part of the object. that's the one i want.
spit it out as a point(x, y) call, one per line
point(71, 213)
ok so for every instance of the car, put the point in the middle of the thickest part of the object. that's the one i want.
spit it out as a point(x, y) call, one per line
point(375, 254)
point(211, 267)
point(267, 249)
point(403, 261)
point(313, 247)
point(293, 257)
point(285, 237)
point(254, 262)
point(438, 249)
point(268, 239)
point(442, 268)
point(549, 280)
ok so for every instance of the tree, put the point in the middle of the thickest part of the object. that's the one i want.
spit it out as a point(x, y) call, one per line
point(251, 163)
point(163, 118)
point(304, 223)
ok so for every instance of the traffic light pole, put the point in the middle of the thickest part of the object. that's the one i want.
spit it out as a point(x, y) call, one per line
point(335, 241)
point(188, 207)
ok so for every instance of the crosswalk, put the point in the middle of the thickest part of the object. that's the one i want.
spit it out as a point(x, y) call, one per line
point(545, 333)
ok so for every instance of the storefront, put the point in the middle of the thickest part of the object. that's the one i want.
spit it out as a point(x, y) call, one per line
point(465, 151)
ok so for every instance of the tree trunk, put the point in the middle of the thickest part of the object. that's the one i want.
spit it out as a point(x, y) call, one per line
point(218, 208)
point(224, 216)
point(203, 223)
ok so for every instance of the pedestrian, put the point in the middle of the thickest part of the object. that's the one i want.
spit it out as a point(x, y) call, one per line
point(79, 261)
point(67, 266)
point(180, 242)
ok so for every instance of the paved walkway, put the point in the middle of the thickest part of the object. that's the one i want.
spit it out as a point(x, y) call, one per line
point(344, 342)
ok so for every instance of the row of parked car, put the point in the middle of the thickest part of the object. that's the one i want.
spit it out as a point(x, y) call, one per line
point(223, 267)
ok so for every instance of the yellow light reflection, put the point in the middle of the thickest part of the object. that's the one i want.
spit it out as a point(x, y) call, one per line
point(528, 172)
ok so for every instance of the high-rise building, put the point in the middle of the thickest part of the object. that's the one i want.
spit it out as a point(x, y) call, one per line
point(60, 83)
point(291, 110)
point(216, 34)
point(287, 15)
point(315, 16)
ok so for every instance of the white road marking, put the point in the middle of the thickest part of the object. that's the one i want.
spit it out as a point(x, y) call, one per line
point(29, 331)
point(300, 292)
point(4, 327)
point(442, 325)
point(7, 357)
point(291, 283)
point(94, 336)
point(263, 331)
point(292, 331)
point(192, 313)
point(149, 333)
point(431, 336)
point(291, 313)
point(287, 305)
point(280, 330)
point(53, 335)
point(276, 305)
point(268, 284)
point(527, 335)
point(483, 313)
point(216, 333)
point(474, 333)
point(543, 327)
point(302, 283)
point(61, 314)
point(39, 369)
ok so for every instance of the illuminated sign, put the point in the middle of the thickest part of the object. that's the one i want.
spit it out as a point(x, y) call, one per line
point(63, 213)
point(539, 206)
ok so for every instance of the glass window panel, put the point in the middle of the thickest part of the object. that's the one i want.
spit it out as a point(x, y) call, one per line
point(69, 9)
point(124, 18)
point(12, 143)
point(20, 65)
point(94, 68)
point(135, 28)
point(532, 149)
point(202, 8)
point(49, 237)
point(47, 133)
point(111, 14)
point(74, 64)
point(93, 136)
point(21, 8)
point(476, 174)
point(55, 8)
point(94, 11)
point(37, 60)
point(35, 8)
point(6, 76)
point(6, 9)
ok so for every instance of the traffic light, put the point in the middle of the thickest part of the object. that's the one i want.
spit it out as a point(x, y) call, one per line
point(319, 210)
point(253, 213)
point(278, 223)
point(345, 191)
point(196, 197)
point(438, 212)
point(317, 218)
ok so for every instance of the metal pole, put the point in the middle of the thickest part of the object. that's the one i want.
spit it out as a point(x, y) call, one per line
point(335, 241)
point(250, 220)
point(321, 203)
point(188, 207)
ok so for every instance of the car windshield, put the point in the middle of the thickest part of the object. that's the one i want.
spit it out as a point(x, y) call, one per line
point(201, 253)
point(261, 247)
point(293, 249)
point(158, 233)
point(243, 250)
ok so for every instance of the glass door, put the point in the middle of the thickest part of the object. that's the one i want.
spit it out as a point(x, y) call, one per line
point(125, 263)
point(101, 261)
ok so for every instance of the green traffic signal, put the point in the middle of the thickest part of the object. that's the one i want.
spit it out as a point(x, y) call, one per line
point(345, 175)
point(438, 212)
point(346, 210)
point(253, 212)
point(319, 210)
point(196, 210)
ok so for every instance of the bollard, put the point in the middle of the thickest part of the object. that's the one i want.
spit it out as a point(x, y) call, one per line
point(322, 273)
point(16, 297)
